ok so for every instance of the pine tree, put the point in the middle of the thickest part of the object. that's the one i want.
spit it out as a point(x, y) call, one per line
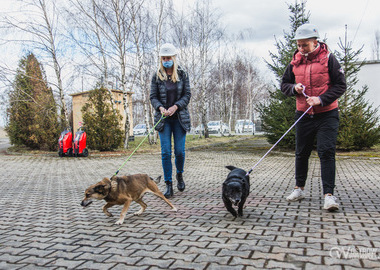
point(101, 122)
point(359, 124)
point(278, 114)
point(32, 113)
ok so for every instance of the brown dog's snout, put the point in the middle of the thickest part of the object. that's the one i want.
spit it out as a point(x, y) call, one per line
point(85, 203)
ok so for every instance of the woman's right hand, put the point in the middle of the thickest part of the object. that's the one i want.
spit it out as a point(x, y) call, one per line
point(163, 111)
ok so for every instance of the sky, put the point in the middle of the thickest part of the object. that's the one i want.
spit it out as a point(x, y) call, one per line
point(269, 18)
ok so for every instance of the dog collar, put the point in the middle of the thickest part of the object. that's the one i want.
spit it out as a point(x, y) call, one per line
point(113, 186)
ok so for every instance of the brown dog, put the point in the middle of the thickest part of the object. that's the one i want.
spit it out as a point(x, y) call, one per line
point(123, 190)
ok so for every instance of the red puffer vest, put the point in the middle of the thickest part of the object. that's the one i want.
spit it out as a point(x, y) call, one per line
point(313, 72)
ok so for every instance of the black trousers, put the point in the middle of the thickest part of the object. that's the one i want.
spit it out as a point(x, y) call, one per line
point(324, 128)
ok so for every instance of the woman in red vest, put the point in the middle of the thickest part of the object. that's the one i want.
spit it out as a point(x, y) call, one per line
point(316, 78)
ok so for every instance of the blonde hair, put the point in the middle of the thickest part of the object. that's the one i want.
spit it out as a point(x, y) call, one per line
point(161, 72)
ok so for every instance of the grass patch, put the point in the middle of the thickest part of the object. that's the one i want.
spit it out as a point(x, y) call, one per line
point(192, 141)
point(372, 152)
point(21, 149)
point(242, 143)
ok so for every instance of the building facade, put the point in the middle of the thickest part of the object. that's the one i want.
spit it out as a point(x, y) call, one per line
point(80, 99)
point(368, 76)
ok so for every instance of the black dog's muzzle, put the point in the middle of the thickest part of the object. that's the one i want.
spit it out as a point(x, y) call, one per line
point(236, 202)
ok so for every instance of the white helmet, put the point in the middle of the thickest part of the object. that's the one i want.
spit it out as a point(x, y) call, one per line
point(168, 49)
point(306, 31)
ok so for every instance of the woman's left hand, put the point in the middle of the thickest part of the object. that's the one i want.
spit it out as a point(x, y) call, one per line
point(313, 101)
point(172, 110)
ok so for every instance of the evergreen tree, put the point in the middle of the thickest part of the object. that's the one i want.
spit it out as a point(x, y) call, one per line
point(32, 113)
point(101, 122)
point(359, 124)
point(278, 114)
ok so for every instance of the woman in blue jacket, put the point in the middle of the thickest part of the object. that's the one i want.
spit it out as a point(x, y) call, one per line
point(169, 95)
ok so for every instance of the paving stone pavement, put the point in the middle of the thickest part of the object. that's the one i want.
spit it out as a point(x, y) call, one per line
point(43, 226)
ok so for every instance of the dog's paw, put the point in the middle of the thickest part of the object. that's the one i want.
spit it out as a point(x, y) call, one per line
point(233, 213)
point(119, 222)
point(174, 209)
point(108, 214)
point(137, 213)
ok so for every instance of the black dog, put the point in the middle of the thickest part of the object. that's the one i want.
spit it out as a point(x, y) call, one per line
point(235, 190)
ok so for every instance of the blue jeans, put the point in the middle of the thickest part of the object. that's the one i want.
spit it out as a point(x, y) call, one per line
point(172, 126)
point(324, 128)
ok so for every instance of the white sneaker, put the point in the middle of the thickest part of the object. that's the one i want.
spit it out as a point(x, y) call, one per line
point(330, 203)
point(296, 195)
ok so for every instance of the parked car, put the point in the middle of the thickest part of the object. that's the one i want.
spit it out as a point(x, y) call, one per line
point(199, 129)
point(217, 127)
point(139, 129)
point(245, 126)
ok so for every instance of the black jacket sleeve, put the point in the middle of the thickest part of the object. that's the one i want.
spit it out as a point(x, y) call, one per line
point(288, 81)
point(337, 82)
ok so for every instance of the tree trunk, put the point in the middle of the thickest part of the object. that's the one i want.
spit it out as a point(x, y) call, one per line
point(231, 99)
point(57, 68)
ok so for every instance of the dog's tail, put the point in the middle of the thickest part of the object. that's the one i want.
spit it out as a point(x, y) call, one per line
point(231, 167)
point(157, 180)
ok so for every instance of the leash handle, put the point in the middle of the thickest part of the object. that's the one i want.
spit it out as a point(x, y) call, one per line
point(249, 172)
point(303, 91)
point(162, 117)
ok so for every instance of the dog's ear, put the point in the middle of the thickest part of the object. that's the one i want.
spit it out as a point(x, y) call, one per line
point(100, 189)
point(231, 167)
point(157, 180)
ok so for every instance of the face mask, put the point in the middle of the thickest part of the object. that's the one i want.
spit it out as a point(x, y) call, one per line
point(168, 64)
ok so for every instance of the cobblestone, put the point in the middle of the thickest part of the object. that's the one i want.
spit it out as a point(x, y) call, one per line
point(43, 226)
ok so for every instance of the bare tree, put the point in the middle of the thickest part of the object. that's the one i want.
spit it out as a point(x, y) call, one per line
point(139, 41)
point(86, 31)
point(197, 34)
point(121, 31)
point(113, 33)
point(119, 40)
point(148, 35)
point(39, 28)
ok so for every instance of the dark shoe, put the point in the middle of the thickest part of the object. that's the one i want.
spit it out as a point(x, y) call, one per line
point(180, 183)
point(169, 190)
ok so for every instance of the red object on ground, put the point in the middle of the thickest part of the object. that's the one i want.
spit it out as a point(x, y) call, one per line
point(65, 143)
point(80, 141)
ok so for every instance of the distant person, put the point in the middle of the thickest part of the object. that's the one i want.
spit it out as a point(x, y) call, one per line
point(315, 70)
point(169, 95)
